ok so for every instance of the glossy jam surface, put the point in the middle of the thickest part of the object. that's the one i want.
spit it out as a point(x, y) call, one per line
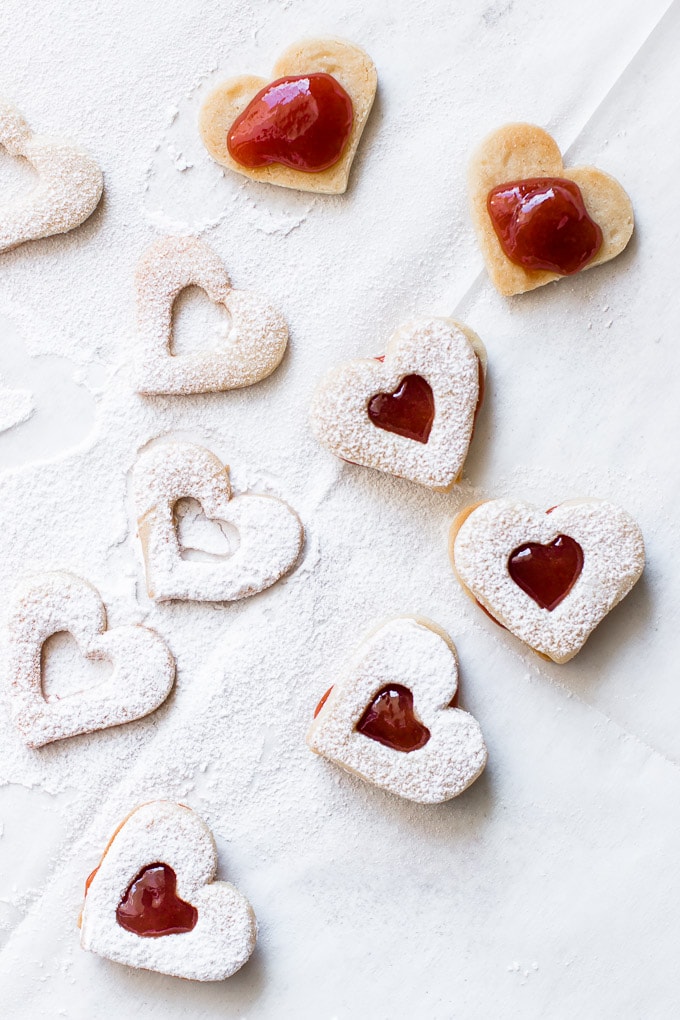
point(151, 906)
point(391, 721)
point(303, 122)
point(409, 411)
point(322, 702)
point(542, 223)
point(547, 573)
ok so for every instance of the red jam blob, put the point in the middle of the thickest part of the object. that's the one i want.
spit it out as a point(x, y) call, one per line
point(322, 702)
point(391, 721)
point(303, 122)
point(409, 411)
point(542, 223)
point(151, 906)
point(547, 573)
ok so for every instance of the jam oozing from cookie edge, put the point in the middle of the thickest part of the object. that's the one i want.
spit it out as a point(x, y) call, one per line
point(302, 121)
point(408, 411)
point(151, 907)
point(322, 702)
point(542, 223)
point(391, 720)
point(547, 573)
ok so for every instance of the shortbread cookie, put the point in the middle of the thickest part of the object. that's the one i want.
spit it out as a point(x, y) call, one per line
point(69, 186)
point(143, 673)
point(410, 413)
point(549, 577)
point(390, 719)
point(257, 338)
point(537, 220)
point(270, 532)
point(152, 902)
point(312, 115)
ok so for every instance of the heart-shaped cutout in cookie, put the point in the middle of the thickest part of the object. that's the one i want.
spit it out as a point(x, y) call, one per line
point(391, 720)
point(537, 220)
point(253, 349)
point(143, 674)
point(547, 573)
point(302, 128)
point(152, 902)
point(408, 411)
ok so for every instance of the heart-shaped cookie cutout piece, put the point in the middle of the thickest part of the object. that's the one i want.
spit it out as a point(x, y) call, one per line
point(519, 153)
point(253, 349)
point(428, 384)
point(270, 532)
point(351, 68)
point(588, 555)
point(70, 183)
point(153, 903)
point(389, 719)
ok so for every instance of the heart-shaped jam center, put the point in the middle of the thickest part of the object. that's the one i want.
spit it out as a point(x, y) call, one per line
point(547, 573)
point(151, 906)
point(391, 721)
point(542, 223)
point(408, 411)
point(303, 122)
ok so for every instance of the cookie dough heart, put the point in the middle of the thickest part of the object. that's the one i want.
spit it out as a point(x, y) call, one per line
point(69, 186)
point(523, 152)
point(351, 68)
point(379, 413)
point(547, 577)
point(270, 532)
point(153, 903)
point(389, 718)
point(257, 338)
point(143, 674)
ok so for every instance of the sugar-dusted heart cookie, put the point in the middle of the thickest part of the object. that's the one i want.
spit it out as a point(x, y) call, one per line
point(550, 576)
point(301, 128)
point(143, 673)
point(410, 413)
point(536, 219)
point(152, 902)
point(270, 532)
point(390, 719)
point(256, 341)
point(69, 184)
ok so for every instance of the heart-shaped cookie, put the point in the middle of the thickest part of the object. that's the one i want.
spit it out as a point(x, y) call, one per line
point(257, 338)
point(69, 186)
point(143, 674)
point(152, 902)
point(351, 68)
point(270, 532)
point(389, 718)
point(412, 413)
point(547, 577)
point(519, 153)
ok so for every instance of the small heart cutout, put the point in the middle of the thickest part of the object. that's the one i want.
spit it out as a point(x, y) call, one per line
point(391, 721)
point(407, 411)
point(547, 573)
point(151, 907)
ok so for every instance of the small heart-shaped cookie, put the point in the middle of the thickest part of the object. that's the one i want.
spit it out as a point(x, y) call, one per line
point(270, 532)
point(577, 231)
point(412, 413)
point(257, 338)
point(352, 70)
point(547, 577)
point(390, 719)
point(144, 669)
point(152, 902)
point(69, 186)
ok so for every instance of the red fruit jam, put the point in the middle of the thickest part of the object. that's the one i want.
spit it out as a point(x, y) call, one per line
point(547, 573)
point(409, 411)
point(391, 721)
point(322, 702)
point(151, 906)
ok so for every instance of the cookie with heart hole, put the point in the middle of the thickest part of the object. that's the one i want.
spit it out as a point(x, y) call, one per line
point(549, 577)
point(301, 128)
point(270, 533)
point(153, 902)
point(390, 718)
point(257, 338)
point(410, 413)
point(68, 190)
point(143, 666)
point(537, 220)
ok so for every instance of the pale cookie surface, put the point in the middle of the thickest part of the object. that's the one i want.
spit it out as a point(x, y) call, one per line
point(69, 187)
point(413, 653)
point(613, 560)
point(257, 338)
point(348, 64)
point(521, 151)
point(224, 936)
point(143, 674)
